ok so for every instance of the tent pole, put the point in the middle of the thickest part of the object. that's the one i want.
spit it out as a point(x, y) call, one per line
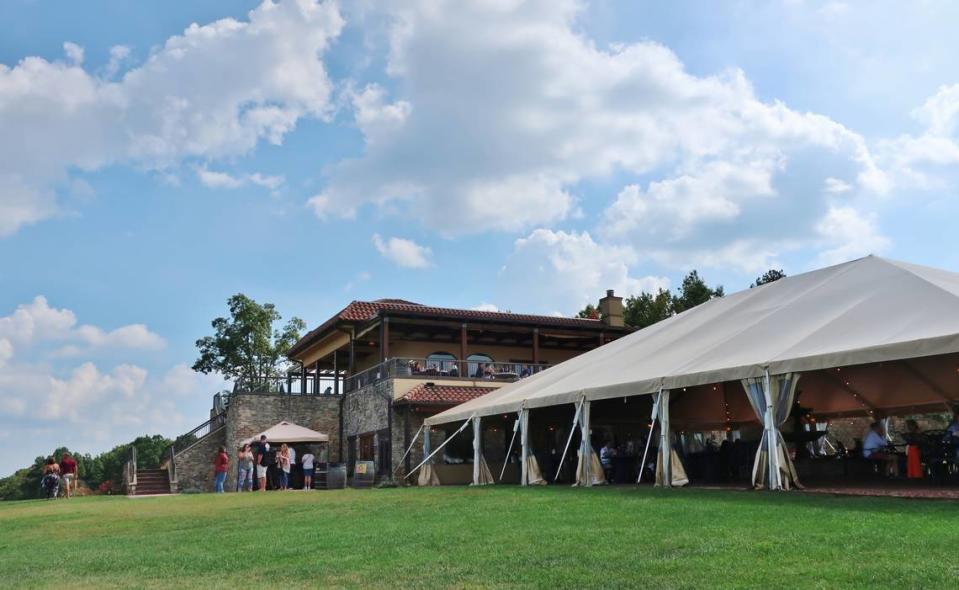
point(524, 446)
point(439, 448)
point(408, 449)
point(772, 437)
point(649, 438)
point(477, 441)
point(587, 445)
point(569, 439)
point(510, 449)
point(665, 454)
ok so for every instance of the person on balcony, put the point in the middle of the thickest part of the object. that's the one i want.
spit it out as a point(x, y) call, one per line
point(454, 370)
point(220, 464)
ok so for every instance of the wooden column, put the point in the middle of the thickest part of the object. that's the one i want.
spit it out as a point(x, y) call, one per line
point(352, 356)
point(336, 374)
point(535, 345)
point(302, 378)
point(463, 336)
point(602, 338)
point(384, 339)
point(316, 377)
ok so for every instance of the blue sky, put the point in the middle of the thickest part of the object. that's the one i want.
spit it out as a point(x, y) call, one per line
point(157, 158)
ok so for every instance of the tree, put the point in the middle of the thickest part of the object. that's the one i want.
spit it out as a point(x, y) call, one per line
point(589, 312)
point(246, 347)
point(693, 292)
point(769, 276)
point(646, 309)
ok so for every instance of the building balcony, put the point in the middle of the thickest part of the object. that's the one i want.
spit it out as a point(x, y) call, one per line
point(427, 369)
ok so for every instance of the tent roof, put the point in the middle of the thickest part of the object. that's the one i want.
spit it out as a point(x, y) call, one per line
point(864, 311)
point(287, 432)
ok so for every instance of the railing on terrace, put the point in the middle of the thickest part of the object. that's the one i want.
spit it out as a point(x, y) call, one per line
point(442, 369)
point(292, 384)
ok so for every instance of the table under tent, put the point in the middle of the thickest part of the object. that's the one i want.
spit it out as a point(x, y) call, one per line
point(771, 367)
point(302, 440)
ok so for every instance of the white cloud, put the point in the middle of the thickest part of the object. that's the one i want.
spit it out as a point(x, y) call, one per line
point(566, 270)
point(506, 107)
point(486, 307)
point(217, 179)
point(940, 112)
point(405, 253)
point(837, 186)
point(37, 322)
point(74, 53)
point(847, 234)
point(212, 92)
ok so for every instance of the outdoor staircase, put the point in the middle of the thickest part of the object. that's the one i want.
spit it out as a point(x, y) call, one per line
point(152, 481)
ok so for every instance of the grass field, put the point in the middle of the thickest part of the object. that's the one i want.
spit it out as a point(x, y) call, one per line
point(489, 537)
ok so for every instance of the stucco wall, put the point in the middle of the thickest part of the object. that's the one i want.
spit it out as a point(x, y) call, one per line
point(194, 465)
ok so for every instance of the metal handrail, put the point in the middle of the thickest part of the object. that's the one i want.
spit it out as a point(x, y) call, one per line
point(425, 368)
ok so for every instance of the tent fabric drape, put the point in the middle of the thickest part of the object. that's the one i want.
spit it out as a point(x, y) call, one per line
point(598, 477)
point(676, 468)
point(485, 475)
point(428, 476)
point(533, 475)
point(771, 398)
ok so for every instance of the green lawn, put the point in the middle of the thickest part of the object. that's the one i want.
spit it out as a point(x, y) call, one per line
point(487, 537)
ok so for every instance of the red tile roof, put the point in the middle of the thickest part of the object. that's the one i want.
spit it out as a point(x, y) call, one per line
point(451, 395)
point(361, 311)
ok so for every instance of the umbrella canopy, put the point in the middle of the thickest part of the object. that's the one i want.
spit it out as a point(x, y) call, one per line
point(287, 432)
point(868, 310)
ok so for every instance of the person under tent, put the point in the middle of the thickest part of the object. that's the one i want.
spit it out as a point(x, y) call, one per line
point(875, 448)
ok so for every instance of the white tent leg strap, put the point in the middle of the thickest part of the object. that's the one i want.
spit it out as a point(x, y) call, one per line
point(665, 456)
point(649, 439)
point(408, 449)
point(440, 448)
point(586, 445)
point(572, 430)
point(477, 449)
point(510, 449)
point(524, 446)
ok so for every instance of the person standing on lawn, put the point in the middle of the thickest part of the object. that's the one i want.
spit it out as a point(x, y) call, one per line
point(308, 470)
point(283, 464)
point(68, 473)
point(220, 464)
point(293, 465)
point(262, 463)
point(50, 482)
point(244, 469)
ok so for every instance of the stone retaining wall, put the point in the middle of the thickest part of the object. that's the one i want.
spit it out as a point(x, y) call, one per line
point(194, 465)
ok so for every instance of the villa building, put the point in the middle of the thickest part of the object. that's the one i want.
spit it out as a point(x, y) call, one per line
point(371, 374)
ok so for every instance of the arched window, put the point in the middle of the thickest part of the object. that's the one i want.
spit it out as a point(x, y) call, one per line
point(440, 361)
point(477, 364)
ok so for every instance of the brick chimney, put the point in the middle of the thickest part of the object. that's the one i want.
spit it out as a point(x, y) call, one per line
point(611, 310)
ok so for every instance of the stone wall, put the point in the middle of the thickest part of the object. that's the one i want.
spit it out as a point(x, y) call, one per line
point(194, 465)
point(251, 413)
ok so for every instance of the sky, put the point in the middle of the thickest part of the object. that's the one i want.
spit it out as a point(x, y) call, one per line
point(156, 158)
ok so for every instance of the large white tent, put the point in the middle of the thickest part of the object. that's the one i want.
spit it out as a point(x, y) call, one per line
point(287, 432)
point(890, 316)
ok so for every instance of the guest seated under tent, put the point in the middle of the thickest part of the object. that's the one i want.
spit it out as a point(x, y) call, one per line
point(875, 448)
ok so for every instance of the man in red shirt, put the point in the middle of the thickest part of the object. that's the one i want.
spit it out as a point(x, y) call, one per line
point(220, 464)
point(68, 471)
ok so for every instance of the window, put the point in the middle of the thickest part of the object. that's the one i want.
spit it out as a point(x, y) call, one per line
point(477, 363)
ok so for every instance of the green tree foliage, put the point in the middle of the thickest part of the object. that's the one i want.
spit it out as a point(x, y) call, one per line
point(92, 471)
point(589, 312)
point(768, 277)
point(646, 309)
point(246, 347)
point(693, 292)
